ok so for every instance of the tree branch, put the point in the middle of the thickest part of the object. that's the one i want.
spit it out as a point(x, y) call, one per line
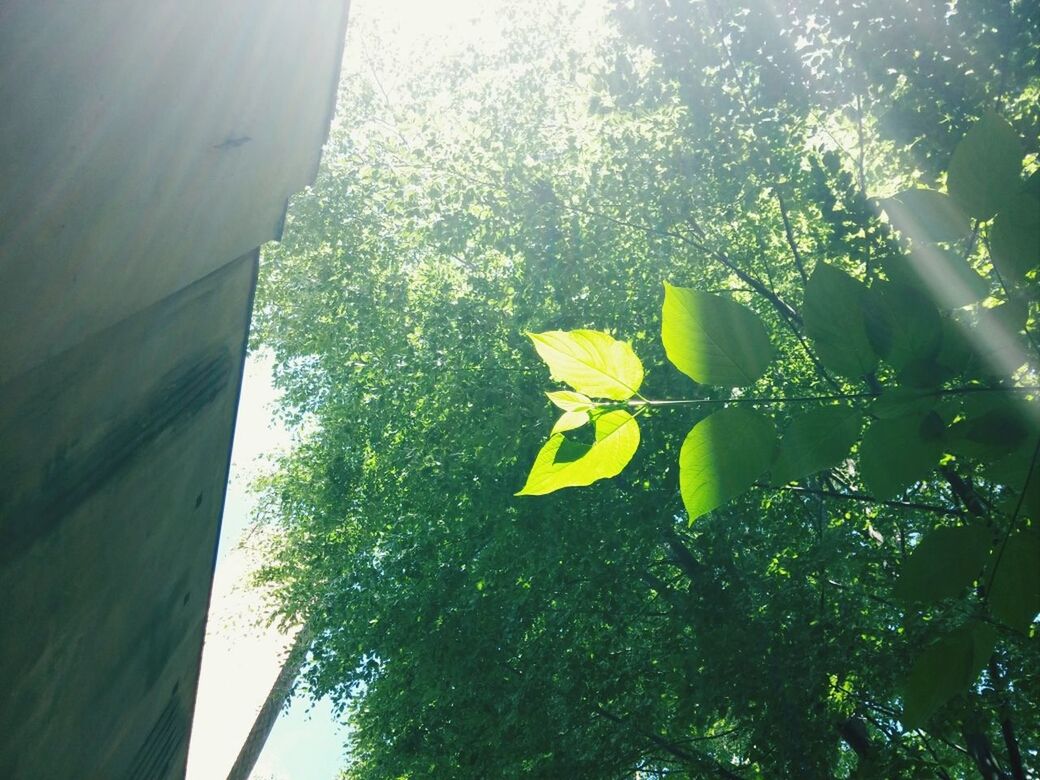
point(867, 499)
point(683, 754)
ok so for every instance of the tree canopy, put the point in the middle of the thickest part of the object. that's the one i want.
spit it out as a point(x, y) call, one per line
point(668, 373)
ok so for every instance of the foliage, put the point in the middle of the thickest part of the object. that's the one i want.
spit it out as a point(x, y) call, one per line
point(717, 341)
point(785, 167)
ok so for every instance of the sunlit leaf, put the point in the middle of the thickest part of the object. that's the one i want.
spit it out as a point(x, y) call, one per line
point(713, 340)
point(591, 362)
point(568, 421)
point(722, 456)
point(897, 452)
point(1014, 239)
point(996, 340)
point(943, 564)
point(834, 319)
point(562, 463)
point(570, 401)
point(815, 440)
point(986, 167)
point(941, 274)
point(1014, 596)
point(945, 669)
point(927, 215)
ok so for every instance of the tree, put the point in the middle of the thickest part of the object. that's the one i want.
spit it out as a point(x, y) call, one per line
point(550, 181)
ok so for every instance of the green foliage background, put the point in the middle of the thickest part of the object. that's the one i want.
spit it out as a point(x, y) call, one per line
point(550, 176)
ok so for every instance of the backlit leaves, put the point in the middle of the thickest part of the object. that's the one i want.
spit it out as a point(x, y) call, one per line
point(591, 362)
point(944, 276)
point(713, 340)
point(570, 401)
point(562, 463)
point(568, 421)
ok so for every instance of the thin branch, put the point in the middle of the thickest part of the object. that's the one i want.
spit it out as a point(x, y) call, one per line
point(790, 238)
point(868, 499)
point(683, 754)
point(1007, 728)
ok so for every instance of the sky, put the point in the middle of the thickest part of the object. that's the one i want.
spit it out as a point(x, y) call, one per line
point(241, 657)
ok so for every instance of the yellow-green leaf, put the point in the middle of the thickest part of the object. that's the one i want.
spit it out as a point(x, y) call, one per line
point(570, 401)
point(569, 421)
point(590, 361)
point(562, 463)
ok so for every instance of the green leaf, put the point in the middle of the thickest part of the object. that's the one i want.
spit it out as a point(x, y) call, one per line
point(945, 669)
point(569, 421)
point(943, 276)
point(1014, 595)
point(834, 320)
point(1013, 471)
point(902, 401)
point(713, 340)
point(592, 362)
point(927, 215)
point(996, 340)
point(1014, 240)
point(990, 435)
point(570, 401)
point(945, 562)
point(902, 324)
point(814, 441)
point(986, 167)
point(722, 456)
point(562, 463)
point(955, 354)
point(897, 452)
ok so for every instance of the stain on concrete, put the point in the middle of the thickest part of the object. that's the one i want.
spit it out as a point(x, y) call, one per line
point(76, 473)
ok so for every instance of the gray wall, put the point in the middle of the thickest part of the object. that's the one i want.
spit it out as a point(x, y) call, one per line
point(146, 150)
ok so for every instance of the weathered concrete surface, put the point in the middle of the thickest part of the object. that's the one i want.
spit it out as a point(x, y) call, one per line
point(112, 478)
point(146, 150)
point(145, 144)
